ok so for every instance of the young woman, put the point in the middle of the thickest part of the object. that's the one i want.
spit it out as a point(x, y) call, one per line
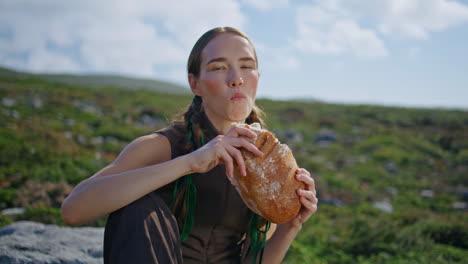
point(150, 175)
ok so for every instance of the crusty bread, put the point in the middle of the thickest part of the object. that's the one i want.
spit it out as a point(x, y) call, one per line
point(269, 189)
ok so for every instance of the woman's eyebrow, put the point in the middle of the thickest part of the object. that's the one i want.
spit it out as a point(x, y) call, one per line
point(247, 59)
point(223, 59)
point(219, 59)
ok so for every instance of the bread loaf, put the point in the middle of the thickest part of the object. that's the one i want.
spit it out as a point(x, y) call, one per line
point(269, 189)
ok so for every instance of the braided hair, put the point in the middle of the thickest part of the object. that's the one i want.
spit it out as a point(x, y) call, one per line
point(194, 125)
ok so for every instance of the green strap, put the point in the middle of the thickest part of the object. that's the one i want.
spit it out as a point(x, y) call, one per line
point(257, 238)
point(190, 192)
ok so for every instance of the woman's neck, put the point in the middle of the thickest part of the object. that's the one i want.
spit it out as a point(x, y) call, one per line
point(222, 125)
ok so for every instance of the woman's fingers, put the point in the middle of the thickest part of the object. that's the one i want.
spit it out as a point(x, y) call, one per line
point(311, 206)
point(308, 200)
point(309, 181)
point(228, 162)
point(303, 171)
point(239, 159)
point(227, 149)
point(241, 142)
point(309, 195)
point(240, 131)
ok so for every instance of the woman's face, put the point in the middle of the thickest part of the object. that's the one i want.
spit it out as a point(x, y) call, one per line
point(228, 78)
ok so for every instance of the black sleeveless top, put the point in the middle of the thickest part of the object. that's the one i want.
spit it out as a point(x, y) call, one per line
point(221, 217)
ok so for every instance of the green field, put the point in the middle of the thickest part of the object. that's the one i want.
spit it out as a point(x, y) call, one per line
point(410, 163)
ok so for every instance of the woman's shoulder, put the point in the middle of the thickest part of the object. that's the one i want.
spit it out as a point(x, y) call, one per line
point(148, 149)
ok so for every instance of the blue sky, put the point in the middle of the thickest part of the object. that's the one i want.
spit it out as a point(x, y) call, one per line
point(391, 52)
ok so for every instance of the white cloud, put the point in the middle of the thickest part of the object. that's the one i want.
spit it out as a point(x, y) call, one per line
point(129, 37)
point(411, 18)
point(336, 26)
point(329, 29)
point(266, 5)
point(416, 18)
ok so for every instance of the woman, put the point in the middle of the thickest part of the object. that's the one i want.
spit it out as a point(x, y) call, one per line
point(138, 188)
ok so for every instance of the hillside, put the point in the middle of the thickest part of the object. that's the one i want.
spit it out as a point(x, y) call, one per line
point(96, 80)
point(392, 182)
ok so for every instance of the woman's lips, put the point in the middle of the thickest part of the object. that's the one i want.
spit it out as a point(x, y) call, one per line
point(238, 96)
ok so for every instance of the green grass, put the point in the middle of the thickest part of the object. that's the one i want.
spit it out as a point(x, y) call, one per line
point(59, 142)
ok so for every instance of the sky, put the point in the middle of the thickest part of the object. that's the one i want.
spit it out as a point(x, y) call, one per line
point(411, 53)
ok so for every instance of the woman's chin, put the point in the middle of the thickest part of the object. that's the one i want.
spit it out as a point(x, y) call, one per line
point(239, 118)
point(239, 114)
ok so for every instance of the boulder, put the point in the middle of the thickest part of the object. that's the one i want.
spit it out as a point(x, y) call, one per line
point(30, 242)
point(384, 206)
point(325, 137)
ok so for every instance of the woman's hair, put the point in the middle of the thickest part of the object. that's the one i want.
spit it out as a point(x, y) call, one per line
point(195, 58)
point(194, 110)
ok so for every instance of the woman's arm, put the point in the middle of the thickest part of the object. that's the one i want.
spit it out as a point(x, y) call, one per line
point(144, 166)
point(277, 246)
point(128, 178)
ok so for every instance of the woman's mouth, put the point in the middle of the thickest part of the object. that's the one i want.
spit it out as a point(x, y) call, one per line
point(237, 97)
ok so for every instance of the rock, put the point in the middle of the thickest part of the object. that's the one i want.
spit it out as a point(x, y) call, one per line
point(13, 211)
point(294, 136)
point(82, 140)
point(350, 140)
point(332, 201)
point(30, 242)
point(427, 193)
point(391, 167)
point(8, 102)
point(12, 113)
point(111, 140)
point(464, 194)
point(68, 134)
point(69, 122)
point(383, 206)
point(392, 190)
point(35, 101)
point(459, 205)
point(89, 107)
point(149, 121)
point(325, 137)
point(97, 140)
point(290, 136)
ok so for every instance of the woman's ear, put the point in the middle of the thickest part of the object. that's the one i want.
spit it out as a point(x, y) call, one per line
point(193, 82)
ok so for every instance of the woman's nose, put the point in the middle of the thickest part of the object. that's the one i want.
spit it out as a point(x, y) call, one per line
point(236, 80)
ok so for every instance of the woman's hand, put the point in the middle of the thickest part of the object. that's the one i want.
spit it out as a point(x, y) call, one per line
point(307, 197)
point(223, 150)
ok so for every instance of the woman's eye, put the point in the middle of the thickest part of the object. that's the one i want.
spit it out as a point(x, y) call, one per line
point(247, 67)
point(218, 68)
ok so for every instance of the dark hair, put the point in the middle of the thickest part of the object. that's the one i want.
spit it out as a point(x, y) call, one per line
point(194, 61)
point(194, 115)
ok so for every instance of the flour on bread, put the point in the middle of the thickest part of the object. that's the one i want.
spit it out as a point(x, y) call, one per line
point(269, 189)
